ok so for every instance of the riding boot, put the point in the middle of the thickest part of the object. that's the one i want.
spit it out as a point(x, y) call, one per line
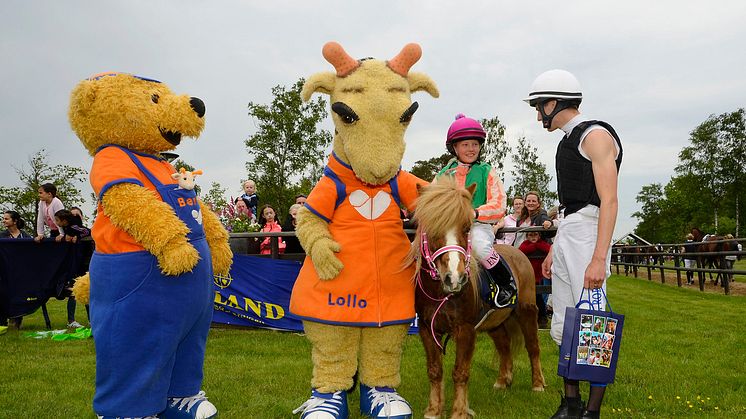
point(506, 289)
point(569, 408)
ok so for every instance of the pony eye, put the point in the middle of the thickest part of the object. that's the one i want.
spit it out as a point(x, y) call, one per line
point(155, 98)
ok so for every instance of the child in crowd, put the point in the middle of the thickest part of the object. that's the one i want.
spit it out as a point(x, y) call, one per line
point(72, 225)
point(49, 204)
point(536, 248)
point(250, 197)
point(73, 231)
point(292, 245)
point(464, 141)
point(269, 223)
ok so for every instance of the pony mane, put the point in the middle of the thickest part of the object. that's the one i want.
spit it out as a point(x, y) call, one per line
point(441, 207)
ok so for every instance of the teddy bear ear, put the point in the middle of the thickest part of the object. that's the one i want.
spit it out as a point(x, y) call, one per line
point(82, 97)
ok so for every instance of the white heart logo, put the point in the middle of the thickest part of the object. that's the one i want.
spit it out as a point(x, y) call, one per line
point(370, 208)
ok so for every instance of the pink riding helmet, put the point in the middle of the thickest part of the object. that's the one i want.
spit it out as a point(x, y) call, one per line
point(464, 128)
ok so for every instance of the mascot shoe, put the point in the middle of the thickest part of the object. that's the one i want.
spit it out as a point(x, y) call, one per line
point(324, 406)
point(383, 402)
point(195, 407)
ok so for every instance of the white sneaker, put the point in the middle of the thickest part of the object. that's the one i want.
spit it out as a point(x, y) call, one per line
point(195, 407)
point(74, 325)
point(383, 402)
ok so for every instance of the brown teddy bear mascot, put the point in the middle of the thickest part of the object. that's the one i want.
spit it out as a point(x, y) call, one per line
point(354, 294)
point(157, 246)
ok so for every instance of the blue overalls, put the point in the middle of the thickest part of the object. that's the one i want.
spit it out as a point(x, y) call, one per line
point(150, 329)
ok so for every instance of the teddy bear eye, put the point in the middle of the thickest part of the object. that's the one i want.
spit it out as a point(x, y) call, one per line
point(154, 98)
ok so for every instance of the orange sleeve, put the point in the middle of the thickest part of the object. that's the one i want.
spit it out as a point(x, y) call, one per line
point(408, 189)
point(322, 201)
point(494, 208)
point(112, 166)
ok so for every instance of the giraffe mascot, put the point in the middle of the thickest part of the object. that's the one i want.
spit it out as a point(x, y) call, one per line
point(354, 293)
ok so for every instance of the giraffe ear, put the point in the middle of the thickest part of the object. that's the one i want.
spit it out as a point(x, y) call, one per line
point(319, 82)
point(421, 81)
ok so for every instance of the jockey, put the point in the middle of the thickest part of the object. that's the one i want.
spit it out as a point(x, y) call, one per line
point(464, 141)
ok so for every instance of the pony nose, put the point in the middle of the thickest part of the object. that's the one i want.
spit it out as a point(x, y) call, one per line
point(451, 285)
point(198, 106)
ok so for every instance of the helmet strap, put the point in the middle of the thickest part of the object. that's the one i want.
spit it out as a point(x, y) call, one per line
point(546, 119)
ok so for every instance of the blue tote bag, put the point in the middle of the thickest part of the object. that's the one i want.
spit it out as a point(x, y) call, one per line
point(591, 339)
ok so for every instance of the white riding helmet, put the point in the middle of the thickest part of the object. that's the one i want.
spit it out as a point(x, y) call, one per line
point(554, 84)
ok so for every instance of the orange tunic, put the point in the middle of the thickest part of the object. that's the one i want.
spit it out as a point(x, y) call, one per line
point(374, 288)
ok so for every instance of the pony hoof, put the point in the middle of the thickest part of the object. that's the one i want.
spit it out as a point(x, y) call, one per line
point(537, 388)
point(502, 384)
point(431, 416)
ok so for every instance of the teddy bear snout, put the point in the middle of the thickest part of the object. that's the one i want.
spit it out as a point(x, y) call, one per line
point(198, 105)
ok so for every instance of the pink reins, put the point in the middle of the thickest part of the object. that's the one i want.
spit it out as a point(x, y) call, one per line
point(433, 271)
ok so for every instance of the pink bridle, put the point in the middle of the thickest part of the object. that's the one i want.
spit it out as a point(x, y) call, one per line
point(433, 271)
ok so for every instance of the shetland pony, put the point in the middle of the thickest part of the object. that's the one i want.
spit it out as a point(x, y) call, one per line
point(447, 297)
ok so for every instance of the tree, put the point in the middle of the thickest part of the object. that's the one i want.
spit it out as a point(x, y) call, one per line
point(288, 147)
point(427, 169)
point(717, 157)
point(215, 198)
point(25, 198)
point(530, 174)
point(495, 147)
point(650, 196)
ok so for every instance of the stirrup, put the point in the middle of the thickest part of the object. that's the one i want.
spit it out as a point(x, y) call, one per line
point(511, 301)
point(324, 406)
point(383, 402)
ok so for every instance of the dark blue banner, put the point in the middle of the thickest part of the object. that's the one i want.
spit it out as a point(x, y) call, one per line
point(256, 293)
point(31, 273)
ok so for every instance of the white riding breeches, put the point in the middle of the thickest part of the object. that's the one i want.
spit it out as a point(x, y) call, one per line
point(482, 238)
point(571, 253)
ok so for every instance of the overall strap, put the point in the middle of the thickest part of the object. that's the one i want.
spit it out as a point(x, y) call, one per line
point(157, 183)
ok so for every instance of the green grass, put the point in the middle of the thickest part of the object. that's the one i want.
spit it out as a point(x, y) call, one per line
point(677, 343)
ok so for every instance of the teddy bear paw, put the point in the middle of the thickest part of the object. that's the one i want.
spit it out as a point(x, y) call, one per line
point(177, 260)
point(222, 258)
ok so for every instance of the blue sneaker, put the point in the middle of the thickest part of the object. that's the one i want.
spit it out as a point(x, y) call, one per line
point(195, 407)
point(383, 402)
point(119, 417)
point(324, 406)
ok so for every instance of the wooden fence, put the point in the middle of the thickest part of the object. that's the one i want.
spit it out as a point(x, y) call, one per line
point(653, 258)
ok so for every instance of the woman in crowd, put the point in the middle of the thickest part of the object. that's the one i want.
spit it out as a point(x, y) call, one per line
point(269, 223)
point(14, 225)
point(511, 220)
point(49, 204)
point(535, 213)
point(13, 230)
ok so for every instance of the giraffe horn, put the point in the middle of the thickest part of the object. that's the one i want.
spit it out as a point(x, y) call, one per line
point(409, 55)
point(338, 57)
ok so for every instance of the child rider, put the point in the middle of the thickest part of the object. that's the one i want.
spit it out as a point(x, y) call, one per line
point(464, 140)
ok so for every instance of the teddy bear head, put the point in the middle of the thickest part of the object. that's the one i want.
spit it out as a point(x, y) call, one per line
point(371, 108)
point(134, 112)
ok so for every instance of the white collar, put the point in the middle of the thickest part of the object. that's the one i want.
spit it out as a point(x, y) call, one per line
point(571, 124)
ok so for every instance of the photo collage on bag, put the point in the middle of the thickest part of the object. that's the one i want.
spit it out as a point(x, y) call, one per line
point(596, 340)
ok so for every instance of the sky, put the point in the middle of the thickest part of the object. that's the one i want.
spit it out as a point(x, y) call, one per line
point(654, 70)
